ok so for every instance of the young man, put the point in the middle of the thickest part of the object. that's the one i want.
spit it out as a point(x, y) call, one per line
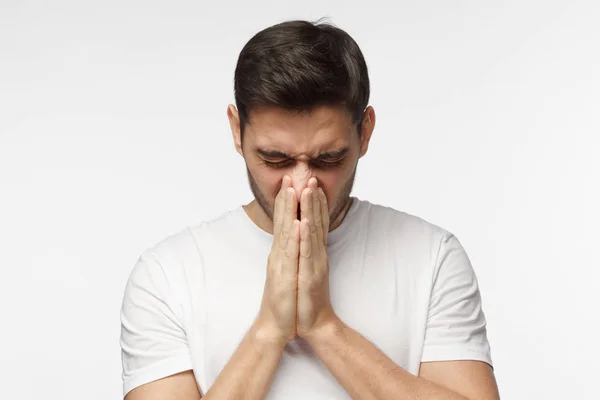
point(306, 292)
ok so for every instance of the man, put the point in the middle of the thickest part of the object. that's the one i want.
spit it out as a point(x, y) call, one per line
point(306, 292)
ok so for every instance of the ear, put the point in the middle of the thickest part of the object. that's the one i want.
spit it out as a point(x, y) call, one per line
point(366, 129)
point(234, 124)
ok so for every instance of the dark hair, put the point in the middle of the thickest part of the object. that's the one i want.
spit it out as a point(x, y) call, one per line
point(299, 65)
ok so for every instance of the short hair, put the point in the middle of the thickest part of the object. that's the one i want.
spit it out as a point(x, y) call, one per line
point(299, 65)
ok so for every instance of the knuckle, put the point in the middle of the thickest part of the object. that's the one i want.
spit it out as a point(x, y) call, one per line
point(306, 254)
point(286, 257)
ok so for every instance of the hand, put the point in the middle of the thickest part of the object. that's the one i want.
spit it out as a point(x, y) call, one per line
point(314, 305)
point(277, 316)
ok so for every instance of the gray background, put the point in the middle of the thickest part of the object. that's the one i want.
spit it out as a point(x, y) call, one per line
point(113, 135)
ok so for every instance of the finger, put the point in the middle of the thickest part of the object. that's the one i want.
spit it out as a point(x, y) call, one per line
point(307, 207)
point(305, 262)
point(324, 214)
point(307, 211)
point(290, 259)
point(288, 218)
point(312, 226)
point(316, 206)
point(312, 184)
point(280, 202)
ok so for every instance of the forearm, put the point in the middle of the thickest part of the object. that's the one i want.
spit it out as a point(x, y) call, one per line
point(366, 372)
point(249, 372)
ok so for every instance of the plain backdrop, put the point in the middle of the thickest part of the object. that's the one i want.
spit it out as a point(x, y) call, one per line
point(113, 135)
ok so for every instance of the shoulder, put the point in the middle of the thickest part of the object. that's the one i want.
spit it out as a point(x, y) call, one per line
point(172, 247)
point(183, 245)
point(402, 225)
point(413, 240)
point(178, 256)
point(159, 268)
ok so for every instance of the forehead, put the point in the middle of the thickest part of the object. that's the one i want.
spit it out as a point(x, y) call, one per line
point(312, 132)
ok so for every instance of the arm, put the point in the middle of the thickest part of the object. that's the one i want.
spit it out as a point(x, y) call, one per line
point(154, 340)
point(249, 372)
point(366, 373)
point(455, 331)
point(247, 375)
point(181, 386)
point(362, 369)
point(156, 358)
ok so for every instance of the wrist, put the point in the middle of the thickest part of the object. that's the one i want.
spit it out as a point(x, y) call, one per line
point(266, 335)
point(325, 331)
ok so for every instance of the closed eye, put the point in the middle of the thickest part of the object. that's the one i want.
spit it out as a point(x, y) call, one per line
point(318, 164)
point(278, 164)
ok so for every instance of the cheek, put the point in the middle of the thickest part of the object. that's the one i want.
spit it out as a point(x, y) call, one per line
point(266, 178)
point(267, 182)
point(272, 183)
point(331, 185)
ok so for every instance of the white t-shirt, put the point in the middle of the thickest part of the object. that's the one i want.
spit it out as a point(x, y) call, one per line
point(405, 284)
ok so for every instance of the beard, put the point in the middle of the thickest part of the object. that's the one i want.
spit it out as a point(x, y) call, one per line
point(341, 202)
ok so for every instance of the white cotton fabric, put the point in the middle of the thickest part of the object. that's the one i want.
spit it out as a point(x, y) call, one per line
point(405, 284)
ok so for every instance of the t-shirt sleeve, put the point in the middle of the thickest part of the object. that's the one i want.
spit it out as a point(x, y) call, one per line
point(153, 339)
point(456, 325)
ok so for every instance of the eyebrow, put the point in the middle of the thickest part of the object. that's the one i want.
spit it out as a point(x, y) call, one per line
point(323, 155)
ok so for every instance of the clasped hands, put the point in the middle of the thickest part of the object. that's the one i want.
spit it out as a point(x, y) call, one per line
point(296, 295)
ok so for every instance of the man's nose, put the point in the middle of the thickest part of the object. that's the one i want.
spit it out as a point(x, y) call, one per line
point(300, 176)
